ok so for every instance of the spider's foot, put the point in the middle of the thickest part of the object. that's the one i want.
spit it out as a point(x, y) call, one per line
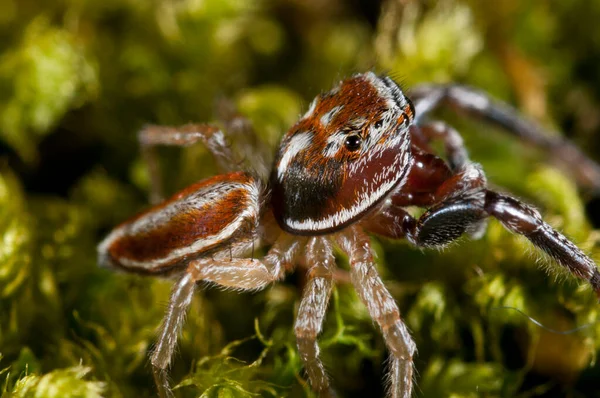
point(161, 379)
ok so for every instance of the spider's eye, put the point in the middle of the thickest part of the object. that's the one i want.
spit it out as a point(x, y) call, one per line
point(378, 124)
point(353, 142)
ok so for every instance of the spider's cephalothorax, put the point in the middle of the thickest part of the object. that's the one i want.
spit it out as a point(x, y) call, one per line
point(345, 154)
point(352, 165)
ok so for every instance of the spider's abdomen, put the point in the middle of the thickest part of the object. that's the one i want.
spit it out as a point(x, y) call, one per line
point(343, 157)
point(216, 212)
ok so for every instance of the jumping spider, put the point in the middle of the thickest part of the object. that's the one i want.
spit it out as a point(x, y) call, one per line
point(350, 166)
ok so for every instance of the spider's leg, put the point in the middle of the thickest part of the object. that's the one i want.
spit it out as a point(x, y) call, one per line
point(427, 98)
point(311, 312)
point(525, 220)
point(454, 147)
point(245, 142)
point(460, 211)
point(248, 273)
point(235, 273)
point(212, 137)
point(382, 308)
point(181, 297)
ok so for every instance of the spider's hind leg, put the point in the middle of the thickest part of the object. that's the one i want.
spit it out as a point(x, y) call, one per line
point(181, 298)
point(152, 135)
point(234, 273)
point(464, 99)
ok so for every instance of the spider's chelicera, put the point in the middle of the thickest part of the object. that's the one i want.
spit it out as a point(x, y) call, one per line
point(349, 167)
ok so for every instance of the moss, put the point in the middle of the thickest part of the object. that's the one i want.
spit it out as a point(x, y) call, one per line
point(79, 78)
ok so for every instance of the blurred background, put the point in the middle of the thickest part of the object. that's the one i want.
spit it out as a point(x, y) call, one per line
point(78, 78)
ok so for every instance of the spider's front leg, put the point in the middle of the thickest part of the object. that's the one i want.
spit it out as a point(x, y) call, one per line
point(315, 297)
point(427, 98)
point(525, 220)
point(462, 203)
point(383, 310)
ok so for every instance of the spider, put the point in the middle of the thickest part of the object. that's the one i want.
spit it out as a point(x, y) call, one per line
point(348, 168)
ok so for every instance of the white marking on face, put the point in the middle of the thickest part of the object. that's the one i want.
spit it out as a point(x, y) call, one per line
point(336, 140)
point(393, 175)
point(297, 144)
point(328, 117)
point(334, 143)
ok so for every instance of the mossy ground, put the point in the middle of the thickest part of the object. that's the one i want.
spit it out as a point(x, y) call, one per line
point(78, 78)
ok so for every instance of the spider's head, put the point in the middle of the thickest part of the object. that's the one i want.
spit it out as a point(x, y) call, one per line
point(347, 153)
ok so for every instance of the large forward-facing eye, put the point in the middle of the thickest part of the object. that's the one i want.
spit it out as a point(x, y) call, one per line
point(353, 142)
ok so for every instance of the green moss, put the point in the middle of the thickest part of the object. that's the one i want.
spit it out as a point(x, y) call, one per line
point(15, 256)
point(79, 78)
point(45, 76)
point(61, 383)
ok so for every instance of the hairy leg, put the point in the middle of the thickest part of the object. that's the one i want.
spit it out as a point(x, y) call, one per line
point(382, 308)
point(525, 220)
point(464, 212)
point(254, 154)
point(315, 297)
point(427, 98)
point(235, 273)
point(212, 137)
point(181, 297)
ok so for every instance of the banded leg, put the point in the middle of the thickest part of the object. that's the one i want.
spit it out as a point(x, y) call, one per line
point(427, 98)
point(447, 221)
point(311, 312)
point(382, 308)
point(236, 273)
point(189, 134)
point(525, 220)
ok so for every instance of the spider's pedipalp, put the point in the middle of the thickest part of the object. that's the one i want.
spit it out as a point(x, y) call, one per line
point(463, 204)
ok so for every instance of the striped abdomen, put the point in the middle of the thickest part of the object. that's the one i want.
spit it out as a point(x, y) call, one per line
point(215, 213)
